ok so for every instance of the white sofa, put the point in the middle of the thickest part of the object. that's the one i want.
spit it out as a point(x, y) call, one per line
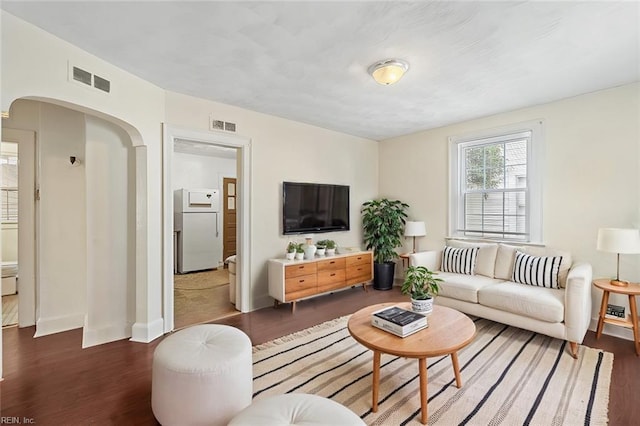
point(563, 313)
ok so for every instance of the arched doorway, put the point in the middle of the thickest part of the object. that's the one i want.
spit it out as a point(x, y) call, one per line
point(85, 190)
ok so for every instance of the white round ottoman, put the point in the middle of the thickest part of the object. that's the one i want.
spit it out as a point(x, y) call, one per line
point(202, 375)
point(296, 409)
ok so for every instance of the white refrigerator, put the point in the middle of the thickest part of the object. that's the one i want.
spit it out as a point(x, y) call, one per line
point(197, 229)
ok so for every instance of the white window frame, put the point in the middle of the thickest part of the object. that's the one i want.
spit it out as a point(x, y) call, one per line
point(535, 169)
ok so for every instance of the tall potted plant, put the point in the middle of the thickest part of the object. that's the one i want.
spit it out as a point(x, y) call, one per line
point(421, 284)
point(383, 222)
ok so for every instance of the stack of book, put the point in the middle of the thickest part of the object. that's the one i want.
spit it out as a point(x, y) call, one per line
point(398, 321)
point(615, 311)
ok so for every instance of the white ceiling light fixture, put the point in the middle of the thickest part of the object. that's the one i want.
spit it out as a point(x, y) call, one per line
point(388, 71)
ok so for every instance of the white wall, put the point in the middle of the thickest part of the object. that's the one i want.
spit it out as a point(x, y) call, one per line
point(201, 171)
point(110, 208)
point(35, 65)
point(591, 174)
point(286, 150)
point(62, 221)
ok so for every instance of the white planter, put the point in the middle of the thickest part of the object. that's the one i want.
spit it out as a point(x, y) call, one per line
point(422, 306)
point(299, 256)
point(321, 252)
point(291, 256)
point(331, 252)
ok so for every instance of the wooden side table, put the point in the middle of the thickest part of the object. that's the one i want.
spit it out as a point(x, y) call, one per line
point(632, 290)
point(405, 257)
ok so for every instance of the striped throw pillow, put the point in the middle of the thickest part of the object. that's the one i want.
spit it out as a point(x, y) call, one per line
point(459, 260)
point(537, 271)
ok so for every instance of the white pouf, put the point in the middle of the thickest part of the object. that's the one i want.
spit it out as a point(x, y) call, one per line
point(202, 375)
point(296, 409)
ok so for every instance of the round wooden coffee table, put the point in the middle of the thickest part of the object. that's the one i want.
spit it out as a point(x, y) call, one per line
point(448, 331)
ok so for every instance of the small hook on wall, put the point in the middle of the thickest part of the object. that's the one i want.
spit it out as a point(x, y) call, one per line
point(74, 160)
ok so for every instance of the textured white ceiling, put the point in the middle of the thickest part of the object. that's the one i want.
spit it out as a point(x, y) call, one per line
point(307, 61)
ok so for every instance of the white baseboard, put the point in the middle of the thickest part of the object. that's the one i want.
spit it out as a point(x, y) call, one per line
point(110, 333)
point(52, 325)
point(147, 332)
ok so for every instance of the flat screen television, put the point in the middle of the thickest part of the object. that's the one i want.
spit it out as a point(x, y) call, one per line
point(309, 208)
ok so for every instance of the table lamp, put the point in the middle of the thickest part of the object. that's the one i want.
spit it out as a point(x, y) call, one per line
point(414, 229)
point(620, 241)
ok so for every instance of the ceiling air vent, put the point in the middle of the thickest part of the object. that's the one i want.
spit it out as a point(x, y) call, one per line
point(229, 127)
point(101, 83)
point(82, 76)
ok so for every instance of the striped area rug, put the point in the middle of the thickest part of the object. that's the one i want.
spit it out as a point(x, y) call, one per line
point(510, 376)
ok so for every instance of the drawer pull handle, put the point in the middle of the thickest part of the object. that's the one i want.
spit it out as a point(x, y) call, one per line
point(333, 275)
point(301, 267)
point(332, 262)
point(359, 258)
point(301, 281)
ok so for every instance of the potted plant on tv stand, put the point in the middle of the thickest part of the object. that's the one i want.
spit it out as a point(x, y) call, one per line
point(421, 284)
point(383, 222)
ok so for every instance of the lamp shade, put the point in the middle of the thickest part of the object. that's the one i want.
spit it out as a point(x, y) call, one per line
point(617, 240)
point(415, 229)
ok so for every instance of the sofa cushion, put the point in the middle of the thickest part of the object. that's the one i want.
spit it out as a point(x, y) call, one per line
point(545, 304)
point(541, 271)
point(463, 287)
point(459, 260)
point(505, 258)
point(486, 260)
point(565, 265)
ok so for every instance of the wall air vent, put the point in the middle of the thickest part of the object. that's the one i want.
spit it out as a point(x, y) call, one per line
point(82, 76)
point(216, 125)
point(101, 83)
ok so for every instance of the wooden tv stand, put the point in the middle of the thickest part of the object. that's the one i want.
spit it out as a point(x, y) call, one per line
point(292, 280)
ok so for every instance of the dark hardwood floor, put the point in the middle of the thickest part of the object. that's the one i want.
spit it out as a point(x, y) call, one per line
point(52, 381)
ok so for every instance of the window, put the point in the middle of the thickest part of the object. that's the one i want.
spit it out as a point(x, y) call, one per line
point(9, 199)
point(495, 184)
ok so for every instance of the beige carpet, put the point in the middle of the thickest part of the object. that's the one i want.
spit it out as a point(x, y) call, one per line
point(202, 297)
point(510, 376)
point(201, 280)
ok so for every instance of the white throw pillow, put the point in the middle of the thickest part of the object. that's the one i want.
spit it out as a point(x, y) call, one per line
point(504, 261)
point(459, 260)
point(486, 261)
point(541, 271)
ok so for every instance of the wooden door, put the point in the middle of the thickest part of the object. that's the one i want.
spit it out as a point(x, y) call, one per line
point(229, 193)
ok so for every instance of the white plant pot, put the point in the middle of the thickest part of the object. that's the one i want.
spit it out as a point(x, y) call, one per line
point(321, 252)
point(299, 256)
point(331, 252)
point(422, 306)
point(291, 256)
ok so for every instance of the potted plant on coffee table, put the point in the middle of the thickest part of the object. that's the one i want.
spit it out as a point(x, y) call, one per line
point(383, 222)
point(422, 285)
